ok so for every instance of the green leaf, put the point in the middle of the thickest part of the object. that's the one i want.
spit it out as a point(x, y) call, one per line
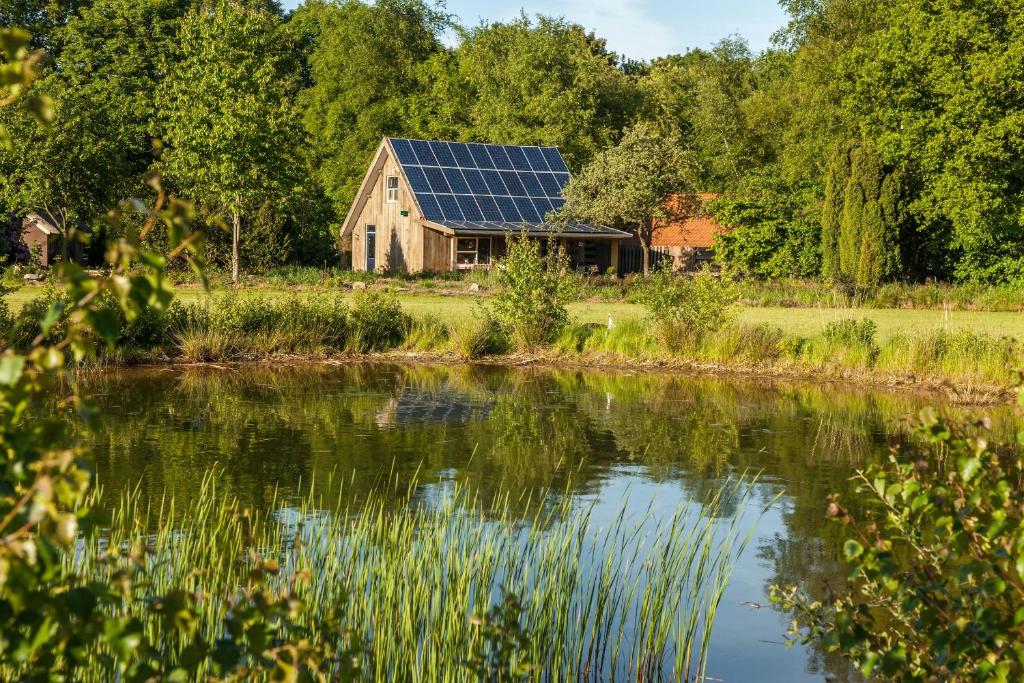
point(106, 324)
point(11, 368)
point(968, 466)
point(852, 550)
point(53, 314)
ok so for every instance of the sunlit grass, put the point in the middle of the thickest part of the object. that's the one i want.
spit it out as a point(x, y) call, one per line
point(800, 321)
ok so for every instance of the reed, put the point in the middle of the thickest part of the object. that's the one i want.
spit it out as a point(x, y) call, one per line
point(630, 599)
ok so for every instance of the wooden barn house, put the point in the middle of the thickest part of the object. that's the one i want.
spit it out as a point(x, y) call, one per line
point(443, 206)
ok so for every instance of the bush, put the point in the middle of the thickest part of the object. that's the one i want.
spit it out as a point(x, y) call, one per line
point(426, 333)
point(851, 332)
point(686, 310)
point(377, 322)
point(937, 564)
point(762, 343)
point(531, 305)
point(480, 336)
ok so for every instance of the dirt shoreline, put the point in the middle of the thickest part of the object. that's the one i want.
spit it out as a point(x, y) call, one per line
point(948, 391)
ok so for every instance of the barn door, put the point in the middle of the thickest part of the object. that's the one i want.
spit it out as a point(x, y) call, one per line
point(371, 248)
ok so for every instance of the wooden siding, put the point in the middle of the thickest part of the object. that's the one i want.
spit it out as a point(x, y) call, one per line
point(437, 251)
point(399, 239)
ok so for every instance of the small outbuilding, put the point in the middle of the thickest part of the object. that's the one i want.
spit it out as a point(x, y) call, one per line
point(43, 234)
point(687, 240)
point(435, 206)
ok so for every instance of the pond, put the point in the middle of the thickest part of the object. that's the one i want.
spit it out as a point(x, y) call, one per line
point(606, 439)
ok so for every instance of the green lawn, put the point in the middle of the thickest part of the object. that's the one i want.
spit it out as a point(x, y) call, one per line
point(803, 321)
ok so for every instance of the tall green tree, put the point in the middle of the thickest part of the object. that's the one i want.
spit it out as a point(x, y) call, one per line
point(227, 112)
point(542, 81)
point(700, 97)
point(363, 70)
point(938, 87)
point(629, 184)
point(864, 219)
point(102, 83)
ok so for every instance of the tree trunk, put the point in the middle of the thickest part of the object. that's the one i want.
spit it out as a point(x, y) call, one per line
point(644, 233)
point(236, 229)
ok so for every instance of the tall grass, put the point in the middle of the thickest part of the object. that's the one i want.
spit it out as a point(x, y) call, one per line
point(629, 599)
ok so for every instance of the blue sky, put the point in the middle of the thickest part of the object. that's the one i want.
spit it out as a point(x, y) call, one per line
point(642, 29)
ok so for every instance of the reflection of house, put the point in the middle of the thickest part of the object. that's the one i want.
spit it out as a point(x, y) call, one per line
point(42, 233)
point(412, 407)
point(444, 206)
point(688, 240)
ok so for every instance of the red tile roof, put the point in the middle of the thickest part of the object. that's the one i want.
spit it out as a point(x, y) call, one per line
point(696, 231)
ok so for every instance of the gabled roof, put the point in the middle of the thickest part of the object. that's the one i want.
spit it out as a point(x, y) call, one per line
point(46, 223)
point(693, 231)
point(476, 188)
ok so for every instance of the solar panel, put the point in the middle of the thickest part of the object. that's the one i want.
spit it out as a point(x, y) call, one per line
point(443, 154)
point(512, 182)
point(489, 188)
point(475, 180)
point(450, 207)
point(554, 160)
point(518, 158)
point(489, 208)
point(423, 153)
point(536, 159)
point(469, 208)
point(438, 184)
point(532, 185)
point(500, 157)
point(456, 181)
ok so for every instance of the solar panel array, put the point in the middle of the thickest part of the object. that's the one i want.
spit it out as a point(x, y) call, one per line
point(485, 187)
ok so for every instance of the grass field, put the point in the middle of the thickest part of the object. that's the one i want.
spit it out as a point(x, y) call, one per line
point(796, 321)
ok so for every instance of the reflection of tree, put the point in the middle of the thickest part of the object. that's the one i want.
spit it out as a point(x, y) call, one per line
point(357, 428)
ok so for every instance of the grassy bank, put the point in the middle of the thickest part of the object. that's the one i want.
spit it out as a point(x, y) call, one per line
point(458, 308)
point(422, 587)
point(966, 358)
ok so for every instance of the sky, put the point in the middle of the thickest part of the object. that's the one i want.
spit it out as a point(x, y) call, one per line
point(641, 29)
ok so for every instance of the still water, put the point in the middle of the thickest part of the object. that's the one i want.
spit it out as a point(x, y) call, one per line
point(606, 439)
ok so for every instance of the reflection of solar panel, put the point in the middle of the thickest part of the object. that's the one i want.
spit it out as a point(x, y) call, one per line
point(488, 188)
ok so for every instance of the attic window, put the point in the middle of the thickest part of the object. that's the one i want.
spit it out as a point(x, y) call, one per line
point(391, 189)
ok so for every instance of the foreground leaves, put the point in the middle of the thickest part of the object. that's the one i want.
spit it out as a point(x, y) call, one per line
point(936, 563)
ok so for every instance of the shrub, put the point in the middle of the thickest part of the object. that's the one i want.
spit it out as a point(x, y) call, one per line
point(685, 310)
point(936, 563)
point(426, 333)
point(852, 332)
point(753, 343)
point(574, 337)
point(531, 305)
point(481, 336)
point(377, 322)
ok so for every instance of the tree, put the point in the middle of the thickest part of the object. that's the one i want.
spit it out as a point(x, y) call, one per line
point(937, 88)
point(767, 235)
point(542, 82)
point(101, 84)
point(864, 218)
point(227, 112)
point(699, 97)
point(629, 184)
point(363, 69)
point(936, 562)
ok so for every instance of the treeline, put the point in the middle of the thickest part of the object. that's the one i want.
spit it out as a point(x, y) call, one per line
point(871, 142)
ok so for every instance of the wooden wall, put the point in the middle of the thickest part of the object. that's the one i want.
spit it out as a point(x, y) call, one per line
point(403, 244)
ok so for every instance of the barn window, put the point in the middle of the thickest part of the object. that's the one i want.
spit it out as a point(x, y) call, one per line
point(391, 185)
point(472, 251)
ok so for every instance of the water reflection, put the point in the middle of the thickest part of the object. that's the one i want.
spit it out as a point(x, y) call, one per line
point(598, 436)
